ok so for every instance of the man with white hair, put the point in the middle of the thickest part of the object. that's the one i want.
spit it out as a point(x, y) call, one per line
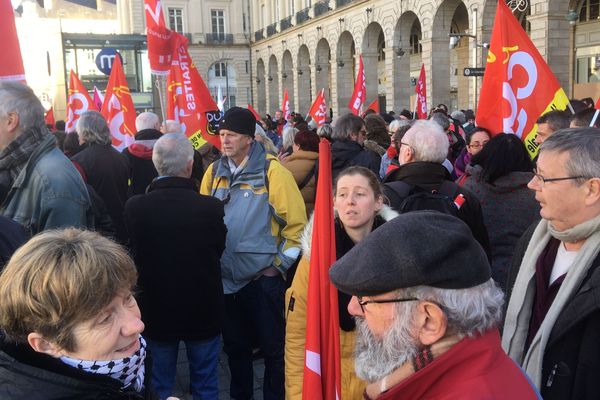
point(422, 151)
point(139, 153)
point(177, 238)
point(427, 315)
point(39, 187)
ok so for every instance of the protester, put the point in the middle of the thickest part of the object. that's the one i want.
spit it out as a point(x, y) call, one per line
point(325, 131)
point(427, 317)
point(378, 138)
point(179, 273)
point(422, 150)
point(498, 177)
point(265, 215)
point(347, 149)
point(358, 201)
point(75, 332)
point(39, 187)
point(287, 141)
point(301, 164)
point(584, 118)
point(469, 125)
point(553, 316)
point(475, 140)
point(394, 149)
point(261, 136)
point(139, 153)
point(104, 168)
point(549, 123)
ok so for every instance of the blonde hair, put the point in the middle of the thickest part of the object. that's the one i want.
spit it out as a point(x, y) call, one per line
point(58, 279)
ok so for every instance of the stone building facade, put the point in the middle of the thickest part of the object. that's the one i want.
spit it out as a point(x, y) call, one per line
point(304, 45)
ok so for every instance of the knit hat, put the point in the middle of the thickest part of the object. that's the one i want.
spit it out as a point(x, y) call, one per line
point(416, 248)
point(239, 120)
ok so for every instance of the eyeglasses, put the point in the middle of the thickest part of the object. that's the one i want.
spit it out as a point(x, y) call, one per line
point(546, 180)
point(363, 303)
point(477, 145)
point(405, 144)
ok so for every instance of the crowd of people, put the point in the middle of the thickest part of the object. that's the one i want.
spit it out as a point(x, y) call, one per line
point(464, 269)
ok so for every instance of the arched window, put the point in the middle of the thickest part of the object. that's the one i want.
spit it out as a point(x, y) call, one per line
point(415, 38)
point(589, 11)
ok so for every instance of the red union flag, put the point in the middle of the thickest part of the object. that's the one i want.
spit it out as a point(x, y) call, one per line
point(421, 91)
point(118, 108)
point(285, 105)
point(188, 99)
point(322, 368)
point(160, 38)
point(318, 110)
point(518, 86)
point(360, 90)
point(78, 103)
point(11, 63)
point(253, 111)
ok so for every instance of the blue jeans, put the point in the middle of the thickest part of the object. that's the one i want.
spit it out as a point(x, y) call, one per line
point(203, 357)
point(255, 315)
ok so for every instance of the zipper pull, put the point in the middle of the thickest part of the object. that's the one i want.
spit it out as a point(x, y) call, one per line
point(551, 376)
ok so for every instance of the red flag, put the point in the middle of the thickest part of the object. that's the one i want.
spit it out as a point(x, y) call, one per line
point(518, 86)
point(421, 91)
point(318, 110)
point(285, 105)
point(253, 111)
point(189, 100)
point(360, 90)
point(373, 106)
point(78, 103)
point(118, 108)
point(11, 63)
point(49, 117)
point(160, 38)
point(322, 348)
point(597, 105)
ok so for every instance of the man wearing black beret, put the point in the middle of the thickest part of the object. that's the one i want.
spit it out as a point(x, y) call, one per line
point(427, 313)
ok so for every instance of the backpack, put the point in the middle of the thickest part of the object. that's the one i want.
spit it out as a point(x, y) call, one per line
point(405, 198)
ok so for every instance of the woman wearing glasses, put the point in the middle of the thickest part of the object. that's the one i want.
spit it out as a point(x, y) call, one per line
point(475, 142)
point(358, 201)
point(498, 176)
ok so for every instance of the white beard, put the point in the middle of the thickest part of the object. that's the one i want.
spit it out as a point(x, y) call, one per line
point(375, 357)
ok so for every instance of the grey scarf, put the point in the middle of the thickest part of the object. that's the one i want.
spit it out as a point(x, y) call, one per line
point(518, 314)
point(15, 156)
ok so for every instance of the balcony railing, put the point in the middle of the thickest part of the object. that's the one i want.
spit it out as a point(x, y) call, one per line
point(259, 35)
point(285, 23)
point(339, 3)
point(219, 38)
point(271, 30)
point(302, 16)
point(321, 7)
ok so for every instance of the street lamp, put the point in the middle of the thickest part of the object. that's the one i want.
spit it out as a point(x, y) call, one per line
point(455, 38)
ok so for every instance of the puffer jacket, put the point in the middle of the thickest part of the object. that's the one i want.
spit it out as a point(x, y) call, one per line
point(302, 164)
point(265, 216)
point(295, 331)
point(48, 193)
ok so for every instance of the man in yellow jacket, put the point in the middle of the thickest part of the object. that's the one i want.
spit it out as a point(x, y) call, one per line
point(265, 215)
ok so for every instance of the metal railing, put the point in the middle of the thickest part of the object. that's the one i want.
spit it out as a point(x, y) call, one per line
point(219, 38)
point(302, 16)
point(285, 23)
point(259, 35)
point(271, 29)
point(321, 7)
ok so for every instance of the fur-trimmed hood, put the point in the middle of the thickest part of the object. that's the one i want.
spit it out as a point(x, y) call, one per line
point(387, 213)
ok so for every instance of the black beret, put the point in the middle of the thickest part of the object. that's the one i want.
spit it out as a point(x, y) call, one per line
point(239, 120)
point(416, 248)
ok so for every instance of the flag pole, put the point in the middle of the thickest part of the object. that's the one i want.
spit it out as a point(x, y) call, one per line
point(594, 119)
point(161, 83)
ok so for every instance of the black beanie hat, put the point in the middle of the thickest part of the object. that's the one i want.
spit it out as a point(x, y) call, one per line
point(239, 120)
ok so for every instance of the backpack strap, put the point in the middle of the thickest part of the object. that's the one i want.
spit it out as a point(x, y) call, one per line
point(449, 189)
point(396, 192)
point(306, 179)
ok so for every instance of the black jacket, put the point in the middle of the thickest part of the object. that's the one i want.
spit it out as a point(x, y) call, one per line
point(12, 235)
point(571, 364)
point(28, 375)
point(107, 171)
point(139, 155)
point(177, 238)
point(429, 176)
point(346, 153)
